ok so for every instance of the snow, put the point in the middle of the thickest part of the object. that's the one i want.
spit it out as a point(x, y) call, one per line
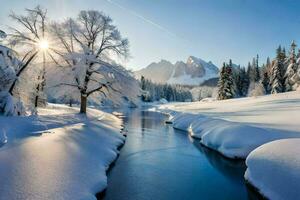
point(238, 126)
point(164, 72)
point(127, 88)
point(274, 169)
point(163, 101)
point(187, 79)
point(211, 71)
point(67, 158)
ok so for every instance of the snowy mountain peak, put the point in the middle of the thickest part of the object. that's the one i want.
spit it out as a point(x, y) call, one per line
point(192, 72)
point(193, 59)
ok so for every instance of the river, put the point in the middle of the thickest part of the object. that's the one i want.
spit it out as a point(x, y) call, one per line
point(158, 162)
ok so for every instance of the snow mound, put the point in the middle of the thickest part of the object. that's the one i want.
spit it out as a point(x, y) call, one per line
point(69, 162)
point(236, 127)
point(183, 121)
point(3, 137)
point(274, 168)
point(234, 140)
point(163, 101)
point(231, 139)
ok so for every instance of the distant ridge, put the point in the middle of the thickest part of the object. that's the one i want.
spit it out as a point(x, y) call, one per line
point(192, 72)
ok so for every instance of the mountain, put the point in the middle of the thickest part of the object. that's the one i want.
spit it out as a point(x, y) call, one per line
point(192, 72)
point(158, 72)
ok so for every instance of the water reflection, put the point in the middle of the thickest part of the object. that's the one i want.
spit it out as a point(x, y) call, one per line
point(158, 162)
point(233, 169)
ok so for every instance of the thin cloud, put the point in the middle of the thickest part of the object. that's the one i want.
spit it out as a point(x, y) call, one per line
point(143, 18)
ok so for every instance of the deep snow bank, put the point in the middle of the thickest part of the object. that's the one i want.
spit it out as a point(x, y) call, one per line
point(236, 127)
point(232, 139)
point(274, 169)
point(69, 161)
point(277, 111)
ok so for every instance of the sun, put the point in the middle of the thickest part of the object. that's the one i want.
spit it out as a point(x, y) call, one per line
point(43, 44)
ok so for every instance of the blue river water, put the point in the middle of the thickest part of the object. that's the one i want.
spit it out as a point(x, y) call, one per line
point(158, 162)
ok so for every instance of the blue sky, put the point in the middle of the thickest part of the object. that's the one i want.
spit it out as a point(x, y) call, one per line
point(213, 30)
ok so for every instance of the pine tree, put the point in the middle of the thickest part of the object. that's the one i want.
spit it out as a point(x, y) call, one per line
point(226, 83)
point(284, 66)
point(221, 82)
point(291, 69)
point(244, 82)
point(266, 81)
point(277, 77)
point(229, 84)
point(297, 75)
point(252, 71)
point(268, 67)
point(143, 83)
point(237, 77)
point(257, 72)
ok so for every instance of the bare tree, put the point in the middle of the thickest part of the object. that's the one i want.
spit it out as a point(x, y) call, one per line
point(84, 44)
point(32, 37)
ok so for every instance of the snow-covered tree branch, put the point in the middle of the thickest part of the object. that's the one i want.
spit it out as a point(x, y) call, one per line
point(30, 36)
point(85, 45)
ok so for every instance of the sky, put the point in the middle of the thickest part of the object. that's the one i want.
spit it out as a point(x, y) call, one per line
point(214, 30)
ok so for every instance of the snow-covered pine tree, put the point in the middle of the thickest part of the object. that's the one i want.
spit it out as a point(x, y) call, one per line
point(291, 70)
point(257, 71)
point(284, 66)
point(265, 79)
point(297, 75)
point(226, 83)
point(241, 81)
point(229, 86)
point(277, 76)
point(268, 66)
point(244, 82)
point(237, 77)
point(252, 71)
point(221, 82)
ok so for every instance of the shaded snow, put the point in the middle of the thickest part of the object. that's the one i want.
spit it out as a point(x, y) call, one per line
point(236, 127)
point(68, 159)
point(232, 139)
point(274, 169)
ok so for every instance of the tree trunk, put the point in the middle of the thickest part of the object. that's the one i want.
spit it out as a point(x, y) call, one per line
point(83, 102)
point(36, 100)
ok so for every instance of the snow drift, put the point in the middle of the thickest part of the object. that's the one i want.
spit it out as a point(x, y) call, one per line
point(236, 127)
point(68, 159)
point(232, 139)
point(274, 168)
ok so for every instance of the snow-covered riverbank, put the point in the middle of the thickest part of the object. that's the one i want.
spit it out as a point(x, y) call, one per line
point(274, 168)
point(238, 126)
point(260, 125)
point(68, 159)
